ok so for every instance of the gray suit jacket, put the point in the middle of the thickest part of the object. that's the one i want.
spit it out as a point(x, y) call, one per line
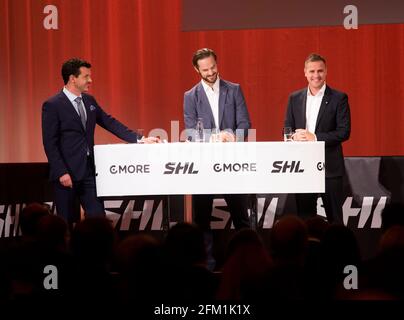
point(233, 113)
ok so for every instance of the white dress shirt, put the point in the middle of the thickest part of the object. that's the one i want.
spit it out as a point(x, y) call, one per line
point(72, 97)
point(213, 97)
point(313, 104)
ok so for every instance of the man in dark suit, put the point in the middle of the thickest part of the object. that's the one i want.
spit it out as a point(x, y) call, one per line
point(221, 105)
point(320, 113)
point(68, 124)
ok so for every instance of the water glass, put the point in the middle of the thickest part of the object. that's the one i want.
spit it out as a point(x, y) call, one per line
point(215, 135)
point(140, 135)
point(287, 134)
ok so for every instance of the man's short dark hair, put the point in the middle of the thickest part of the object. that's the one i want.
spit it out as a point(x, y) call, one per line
point(202, 54)
point(30, 216)
point(72, 67)
point(313, 57)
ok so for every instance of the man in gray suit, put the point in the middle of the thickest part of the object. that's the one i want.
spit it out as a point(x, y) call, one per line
point(221, 105)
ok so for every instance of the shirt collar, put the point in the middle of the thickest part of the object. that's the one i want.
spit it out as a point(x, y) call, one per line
point(70, 96)
point(320, 93)
point(215, 85)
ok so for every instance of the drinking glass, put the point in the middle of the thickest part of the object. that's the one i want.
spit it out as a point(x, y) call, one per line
point(287, 134)
point(140, 135)
point(199, 131)
point(215, 135)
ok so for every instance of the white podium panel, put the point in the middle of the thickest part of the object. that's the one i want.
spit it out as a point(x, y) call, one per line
point(209, 168)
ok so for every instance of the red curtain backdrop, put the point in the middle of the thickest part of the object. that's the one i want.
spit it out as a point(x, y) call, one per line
point(142, 66)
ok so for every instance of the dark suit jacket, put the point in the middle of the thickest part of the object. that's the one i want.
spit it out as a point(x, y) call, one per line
point(64, 138)
point(233, 113)
point(333, 125)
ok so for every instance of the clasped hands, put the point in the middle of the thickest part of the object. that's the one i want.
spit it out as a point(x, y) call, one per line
point(222, 136)
point(303, 135)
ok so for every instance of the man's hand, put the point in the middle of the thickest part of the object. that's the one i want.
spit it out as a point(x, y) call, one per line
point(303, 135)
point(150, 140)
point(222, 136)
point(66, 181)
point(226, 136)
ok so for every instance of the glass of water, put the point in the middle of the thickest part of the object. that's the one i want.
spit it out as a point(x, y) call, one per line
point(140, 135)
point(215, 135)
point(199, 131)
point(287, 134)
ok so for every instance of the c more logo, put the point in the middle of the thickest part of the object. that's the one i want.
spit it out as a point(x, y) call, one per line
point(320, 166)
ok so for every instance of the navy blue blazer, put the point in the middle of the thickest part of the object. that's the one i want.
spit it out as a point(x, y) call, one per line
point(233, 113)
point(333, 125)
point(66, 141)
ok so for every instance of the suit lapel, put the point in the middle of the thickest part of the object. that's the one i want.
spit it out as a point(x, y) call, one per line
point(203, 103)
point(303, 99)
point(323, 106)
point(69, 104)
point(222, 100)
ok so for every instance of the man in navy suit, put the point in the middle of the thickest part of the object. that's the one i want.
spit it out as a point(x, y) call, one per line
point(68, 124)
point(221, 105)
point(319, 113)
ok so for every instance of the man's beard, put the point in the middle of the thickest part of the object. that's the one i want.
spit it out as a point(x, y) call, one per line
point(206, 79)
